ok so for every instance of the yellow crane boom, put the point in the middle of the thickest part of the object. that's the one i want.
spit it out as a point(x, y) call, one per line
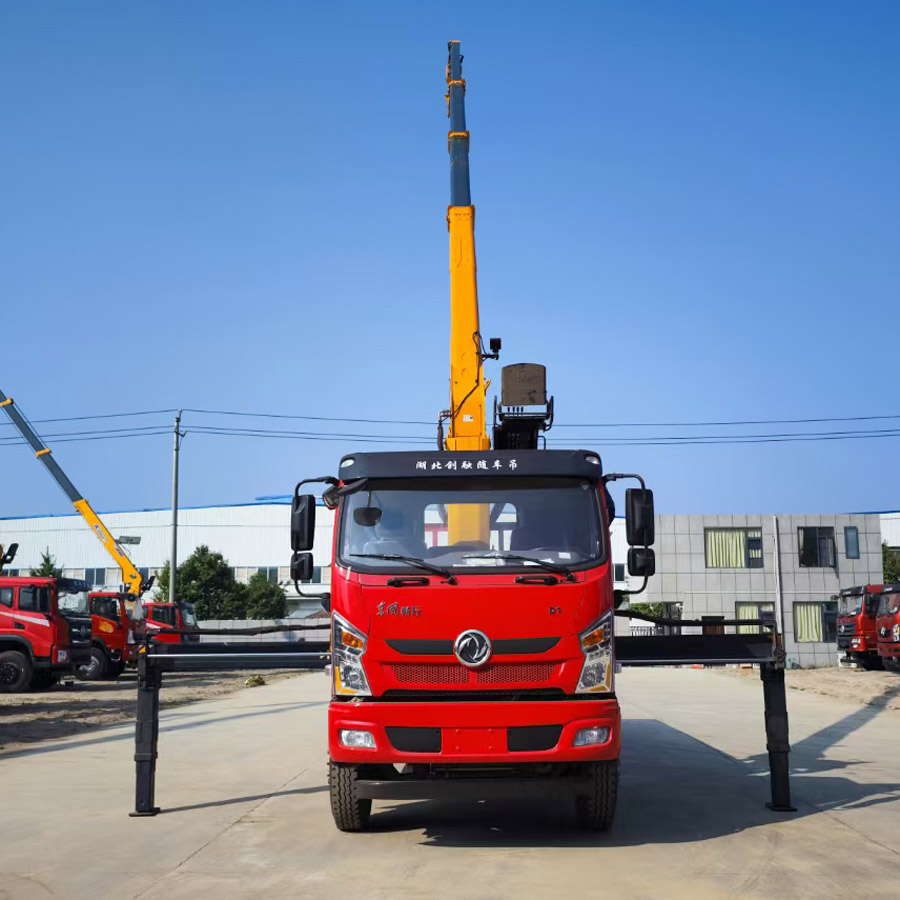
point(131, 578)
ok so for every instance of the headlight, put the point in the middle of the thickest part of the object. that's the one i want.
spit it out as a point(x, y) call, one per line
point(895, 632)
point(348, 645)
point(596, 645)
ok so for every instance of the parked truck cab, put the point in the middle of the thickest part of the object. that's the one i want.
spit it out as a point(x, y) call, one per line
point(112, 636)
point(42, 634)
point(472, 625)
point(157, 616)
point(888, 627)
point(857, 638)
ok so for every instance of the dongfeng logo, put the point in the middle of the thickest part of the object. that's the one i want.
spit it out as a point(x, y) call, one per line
point(472, 648)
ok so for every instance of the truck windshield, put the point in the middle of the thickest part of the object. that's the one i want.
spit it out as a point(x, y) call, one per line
point(471, 523)
point(71, 600)
point(850, 606)
point(889, 604)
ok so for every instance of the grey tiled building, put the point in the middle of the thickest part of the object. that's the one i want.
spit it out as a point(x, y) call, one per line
point(734, 566)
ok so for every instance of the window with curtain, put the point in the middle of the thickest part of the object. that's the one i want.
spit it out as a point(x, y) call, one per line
point(816, 547)
point(815, 622)
point(851, 542)
point(733, 548)
point(749, 610)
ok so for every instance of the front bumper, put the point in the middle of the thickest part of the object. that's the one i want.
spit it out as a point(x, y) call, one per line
point(473, 731)
point(889, 649)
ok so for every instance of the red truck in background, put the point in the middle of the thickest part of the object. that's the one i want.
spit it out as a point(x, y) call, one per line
point(888, 627)
point(158, 616)
point(112, 636)
point(43, 636)
point(856, 629)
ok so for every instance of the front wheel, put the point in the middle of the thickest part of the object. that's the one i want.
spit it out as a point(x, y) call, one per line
point(95, 670)
point(349, 811)
point(596, 809)
point(15, 671)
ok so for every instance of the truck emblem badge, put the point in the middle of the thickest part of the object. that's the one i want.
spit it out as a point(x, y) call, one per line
point(472, 648)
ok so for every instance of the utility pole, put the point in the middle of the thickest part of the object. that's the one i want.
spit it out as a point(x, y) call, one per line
point(173, 561)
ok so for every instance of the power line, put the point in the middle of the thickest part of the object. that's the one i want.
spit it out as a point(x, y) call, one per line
point(722, 424)
point(228, 412)
point(121, 415)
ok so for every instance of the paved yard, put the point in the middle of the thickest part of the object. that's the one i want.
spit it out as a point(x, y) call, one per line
point(242, 782)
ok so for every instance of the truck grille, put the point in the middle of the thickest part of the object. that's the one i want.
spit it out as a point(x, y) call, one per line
point(427, 674)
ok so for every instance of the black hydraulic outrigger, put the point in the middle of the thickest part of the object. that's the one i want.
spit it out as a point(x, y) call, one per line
point(155, 658)
point(762, 649)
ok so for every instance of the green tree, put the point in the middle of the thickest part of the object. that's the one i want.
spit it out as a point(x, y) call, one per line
point(650, 609)
point(265, 600)
point(891, 562)
point(206, 580)
point(48, 567)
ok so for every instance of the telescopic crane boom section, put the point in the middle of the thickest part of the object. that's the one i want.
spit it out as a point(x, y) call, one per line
point(131, 578)
point(467, 386)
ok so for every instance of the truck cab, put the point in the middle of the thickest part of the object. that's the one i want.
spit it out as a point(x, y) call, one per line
point(43, 632)
point(180, 615)
point(112, 636)
point(472, 629)
point(857, 638)
point(887, 624)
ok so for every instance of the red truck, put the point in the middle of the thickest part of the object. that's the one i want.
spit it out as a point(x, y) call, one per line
point(112, 636)
point(179, 615)
point(42, 634)
point(856, 628)
point(888, 626)
point(472, 668)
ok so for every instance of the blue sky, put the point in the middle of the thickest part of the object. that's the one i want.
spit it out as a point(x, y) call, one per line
point(686, 210)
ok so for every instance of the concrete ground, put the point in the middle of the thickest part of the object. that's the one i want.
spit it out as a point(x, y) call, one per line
point(242, 783)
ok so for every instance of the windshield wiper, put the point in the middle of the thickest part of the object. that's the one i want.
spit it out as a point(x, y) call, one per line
point(549, 566)
point(413, 561)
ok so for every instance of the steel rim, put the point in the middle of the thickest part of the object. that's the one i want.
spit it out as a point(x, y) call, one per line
point(9, 674)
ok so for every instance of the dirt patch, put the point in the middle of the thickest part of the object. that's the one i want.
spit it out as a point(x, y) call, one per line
point(853, 685)
point(67, 710)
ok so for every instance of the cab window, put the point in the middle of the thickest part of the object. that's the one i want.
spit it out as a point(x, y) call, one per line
point(6, 597)
point(163, 615)
point(34, 599)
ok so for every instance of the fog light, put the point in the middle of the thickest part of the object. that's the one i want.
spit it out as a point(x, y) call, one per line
point(350, 738)
point(588, 736)
point(854, 643)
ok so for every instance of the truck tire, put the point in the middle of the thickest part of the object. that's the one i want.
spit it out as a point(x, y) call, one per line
point(596, 809)
point(15, 671)
point(95, 670)
point(349, 811)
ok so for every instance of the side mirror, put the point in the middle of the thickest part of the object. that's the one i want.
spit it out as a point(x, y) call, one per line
point(9, 555)
point(639, 528)
point(641, 562)
point(302, 567)
point(303, 522)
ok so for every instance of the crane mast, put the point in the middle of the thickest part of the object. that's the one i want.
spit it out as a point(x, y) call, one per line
point(131, 578)
point(467, 386)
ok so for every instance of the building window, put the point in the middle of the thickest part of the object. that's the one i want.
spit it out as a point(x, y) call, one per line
point(851, 541)
point(271, 573)
point(815, 622)
point(746, 610)
point(11, 573)
point(816, 546)
point(618, 572)
point(733, 548)
point(95, 576)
